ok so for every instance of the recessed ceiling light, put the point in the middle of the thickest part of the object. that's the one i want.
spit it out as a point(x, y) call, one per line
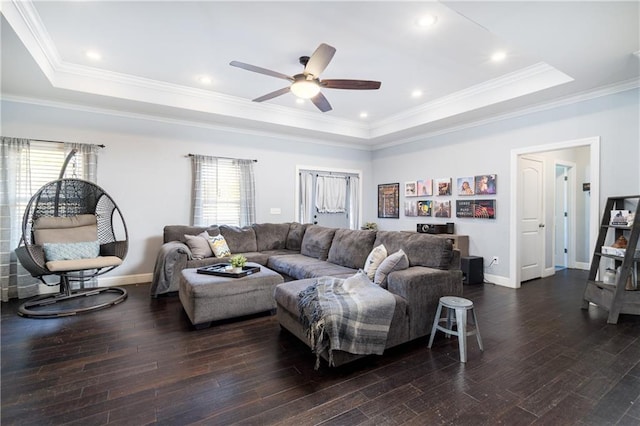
point(93, 55)
point(499, 56)
point(426, 21)
point(363, 115)
point(299, 101)
point(205, 79)
point(416, 93)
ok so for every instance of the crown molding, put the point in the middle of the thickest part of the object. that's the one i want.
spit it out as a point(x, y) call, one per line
point(544, 106)
point(26, 23)
point(519, 83)
point(184, 122)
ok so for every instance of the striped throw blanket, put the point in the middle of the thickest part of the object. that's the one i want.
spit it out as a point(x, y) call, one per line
point(351, 315)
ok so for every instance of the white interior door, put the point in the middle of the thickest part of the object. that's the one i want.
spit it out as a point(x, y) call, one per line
point(531, 202)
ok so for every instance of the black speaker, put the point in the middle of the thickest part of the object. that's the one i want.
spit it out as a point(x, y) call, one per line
point(472, 269)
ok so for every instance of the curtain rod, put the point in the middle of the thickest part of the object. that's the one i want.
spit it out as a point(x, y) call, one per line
point(44, 140)
point(226, 158)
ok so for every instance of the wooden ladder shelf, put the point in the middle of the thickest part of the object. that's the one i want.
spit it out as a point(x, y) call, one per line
point(614, 297)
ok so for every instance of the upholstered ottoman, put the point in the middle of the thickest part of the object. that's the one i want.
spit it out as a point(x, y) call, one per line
point(207, 298)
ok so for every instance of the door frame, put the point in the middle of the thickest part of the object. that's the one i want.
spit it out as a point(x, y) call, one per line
point(296, 195)
point(594, 200)
point(570, 167)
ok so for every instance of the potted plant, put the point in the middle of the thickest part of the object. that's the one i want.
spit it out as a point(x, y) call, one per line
point(237, 263)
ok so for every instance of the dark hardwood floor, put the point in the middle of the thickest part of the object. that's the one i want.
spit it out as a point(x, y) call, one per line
point(546, 361)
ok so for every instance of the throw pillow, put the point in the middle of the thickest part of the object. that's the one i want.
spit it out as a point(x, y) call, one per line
point(199, 245)
point(71, 251)
point(356, 282)
point(375, 258)
point(394, 262)
point(219, 246)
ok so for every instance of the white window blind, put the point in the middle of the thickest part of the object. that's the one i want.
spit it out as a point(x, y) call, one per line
point(223, 191)
point(221, 184)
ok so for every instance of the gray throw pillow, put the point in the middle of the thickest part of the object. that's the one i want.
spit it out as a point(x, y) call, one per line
point(199, 245)
point(394, 262)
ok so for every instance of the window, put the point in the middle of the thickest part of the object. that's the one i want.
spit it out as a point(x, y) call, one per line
point(223, 191)
point(42, 165)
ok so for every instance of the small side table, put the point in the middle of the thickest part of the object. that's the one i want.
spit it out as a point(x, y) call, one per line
point(456, 307)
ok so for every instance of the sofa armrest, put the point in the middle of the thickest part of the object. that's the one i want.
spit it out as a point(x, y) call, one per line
point(172, 259)
point(422, 288)
point(455, 260)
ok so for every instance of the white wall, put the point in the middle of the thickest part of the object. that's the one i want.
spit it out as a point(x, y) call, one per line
point(486, 149)
point(145, 169)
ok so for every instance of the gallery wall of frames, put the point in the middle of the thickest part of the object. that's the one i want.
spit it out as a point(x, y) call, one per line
point(426, 197)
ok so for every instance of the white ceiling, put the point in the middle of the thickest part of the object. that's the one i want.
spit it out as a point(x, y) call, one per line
point(153, 54)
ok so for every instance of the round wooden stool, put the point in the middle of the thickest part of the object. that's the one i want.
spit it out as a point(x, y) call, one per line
point(458, 307)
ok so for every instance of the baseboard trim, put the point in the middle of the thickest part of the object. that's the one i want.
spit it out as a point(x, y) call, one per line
point(582, 265)
point(124, 280)
point(498, 280)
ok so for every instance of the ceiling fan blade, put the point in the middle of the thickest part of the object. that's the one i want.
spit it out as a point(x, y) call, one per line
point(321, 102)
point(319, 60)
point(272, 95)
point(260, 70)
point(351, 84)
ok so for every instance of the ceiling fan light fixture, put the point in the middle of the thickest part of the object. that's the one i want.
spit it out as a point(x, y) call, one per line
point(305, 89)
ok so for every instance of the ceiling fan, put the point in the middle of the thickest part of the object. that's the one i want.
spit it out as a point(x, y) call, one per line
point(307, 84)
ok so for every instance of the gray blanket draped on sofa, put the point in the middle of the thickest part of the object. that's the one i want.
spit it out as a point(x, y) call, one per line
point(351, 315)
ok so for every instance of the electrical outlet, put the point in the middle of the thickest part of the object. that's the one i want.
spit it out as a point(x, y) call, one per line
point(495, 260)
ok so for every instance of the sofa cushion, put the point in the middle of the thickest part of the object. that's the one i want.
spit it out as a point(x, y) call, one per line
point(240, 240)
point(317, 241)
point(299, 266)
point(394, 262)
point(421, 249)
point(177, 232)
point(351, 247)
point(271, 236)
point(375, 258)
point(199, 245)
point(294, 237)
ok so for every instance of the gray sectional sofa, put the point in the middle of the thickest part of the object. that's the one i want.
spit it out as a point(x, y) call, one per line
point(302, 252)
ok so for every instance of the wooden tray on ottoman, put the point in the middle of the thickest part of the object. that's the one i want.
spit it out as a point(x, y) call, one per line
point(220, 269)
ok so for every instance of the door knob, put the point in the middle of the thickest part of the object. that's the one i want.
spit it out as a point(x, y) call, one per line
point(541, 225)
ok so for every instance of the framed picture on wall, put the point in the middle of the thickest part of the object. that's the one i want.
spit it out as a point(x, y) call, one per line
point(410, 208)
point(486, 184)
point(443, 185)
point(442, 208)
point(389, 200)
point(465, 208)
point(425, 187)
point(484, 209)
point(466, 185)
point(424, 208)
point(410, 189)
